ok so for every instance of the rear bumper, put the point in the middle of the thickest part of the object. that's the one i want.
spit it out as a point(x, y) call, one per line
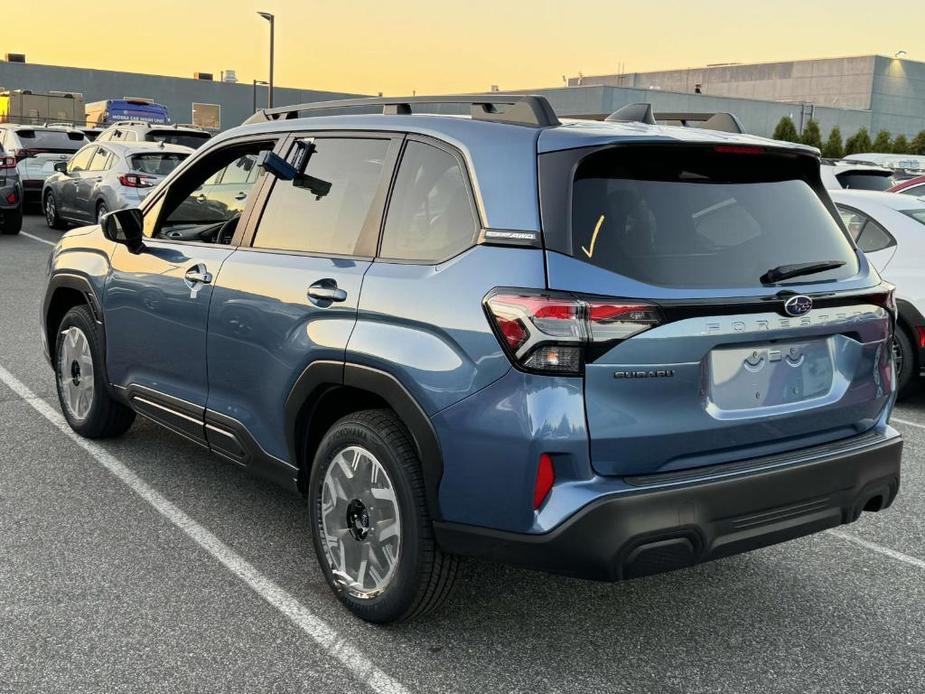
point(661, 529)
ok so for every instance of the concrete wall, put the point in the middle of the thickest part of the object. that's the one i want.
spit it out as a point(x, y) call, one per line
point(898, 97)
point(758, 117)
point(837, 82)
point(177, 94)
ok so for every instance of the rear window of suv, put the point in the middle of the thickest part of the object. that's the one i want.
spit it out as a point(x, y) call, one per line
point(175, 137)
point(697, 217)
point(55, 140)
point(161, 163)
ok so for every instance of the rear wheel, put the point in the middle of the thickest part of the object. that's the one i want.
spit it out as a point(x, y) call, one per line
point(905, 361)
point(11, 221)
point(372, 533)
point(82, 389)
point(52, 218)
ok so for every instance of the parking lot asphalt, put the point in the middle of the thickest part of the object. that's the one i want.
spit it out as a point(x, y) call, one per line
point(145, 564)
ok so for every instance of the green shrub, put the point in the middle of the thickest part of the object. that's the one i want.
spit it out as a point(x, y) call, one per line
point(900, 145)
point(786, 130)
point(859, 143)
point(811, 134)
point(883, 143)
point(833, 148)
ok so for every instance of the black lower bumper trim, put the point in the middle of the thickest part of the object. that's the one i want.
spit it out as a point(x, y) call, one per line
point(647, 532)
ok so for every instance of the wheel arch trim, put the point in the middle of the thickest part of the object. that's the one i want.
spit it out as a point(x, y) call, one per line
point(319, 376)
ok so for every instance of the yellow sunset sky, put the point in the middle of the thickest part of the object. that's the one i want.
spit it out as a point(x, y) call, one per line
point(432, 47)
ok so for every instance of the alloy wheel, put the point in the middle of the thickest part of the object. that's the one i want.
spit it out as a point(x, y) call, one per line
point(899, 358)
point(51, 210)
point(361, 523)
point(75, 373)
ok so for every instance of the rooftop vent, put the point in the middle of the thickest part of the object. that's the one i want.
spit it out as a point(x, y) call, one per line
point(15, 57)
point(202, 76)
point(230, 76)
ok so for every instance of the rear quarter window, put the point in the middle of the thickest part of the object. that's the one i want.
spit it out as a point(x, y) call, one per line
point(694, 217)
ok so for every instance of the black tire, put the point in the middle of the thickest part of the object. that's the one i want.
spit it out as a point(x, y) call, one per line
point(52, 218)
point(106, 418)
point(907, 380)
point(101, 209)
point(12, 221)
point(424, 575)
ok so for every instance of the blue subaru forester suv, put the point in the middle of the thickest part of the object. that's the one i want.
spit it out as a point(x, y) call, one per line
point(602, 349)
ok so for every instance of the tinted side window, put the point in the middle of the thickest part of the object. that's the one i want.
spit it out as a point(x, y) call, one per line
point(296, 219)
point(914, 190)
point(431, 216)
point(101, 160)
point(874, 238)
point(853, 220)
point(81, 160)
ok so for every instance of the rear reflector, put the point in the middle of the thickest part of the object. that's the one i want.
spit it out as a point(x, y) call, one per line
point(545, 476)
point(921, 333)
point(11, 198)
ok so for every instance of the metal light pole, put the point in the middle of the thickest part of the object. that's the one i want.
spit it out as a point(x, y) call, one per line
point(271, 19)
point(256, 82)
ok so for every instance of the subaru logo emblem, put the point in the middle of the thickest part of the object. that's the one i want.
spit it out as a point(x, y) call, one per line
point(798, 305)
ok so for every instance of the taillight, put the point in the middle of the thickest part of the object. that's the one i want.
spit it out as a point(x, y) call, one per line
point(136, 181)
point(21, 154)
point(920, 331)
point(7, 162)
point(549, 332)
point(11, 198)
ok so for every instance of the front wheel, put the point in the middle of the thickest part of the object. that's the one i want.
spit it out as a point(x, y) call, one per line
point(82, 389)
point(371, 529)
point(52, 217)
point(11, 221)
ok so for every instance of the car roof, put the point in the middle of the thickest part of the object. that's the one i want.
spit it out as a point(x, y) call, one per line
point(502, 156)
point(850, 167)
point(894, 201)
point(908, 183)
point(129, 148)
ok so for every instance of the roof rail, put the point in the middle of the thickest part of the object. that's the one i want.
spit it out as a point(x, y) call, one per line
point(521, 109)
point(643, 113)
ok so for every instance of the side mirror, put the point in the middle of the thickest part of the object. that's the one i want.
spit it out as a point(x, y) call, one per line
point(61, 166)
point(125, 227)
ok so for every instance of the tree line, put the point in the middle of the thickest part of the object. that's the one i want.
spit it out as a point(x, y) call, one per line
point(859, 143)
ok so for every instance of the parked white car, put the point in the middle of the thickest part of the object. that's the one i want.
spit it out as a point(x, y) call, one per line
point(854, 176)
point(890, 229)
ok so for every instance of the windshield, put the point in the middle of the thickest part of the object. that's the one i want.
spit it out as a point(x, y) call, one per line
point(58, 140)
point(695, 218)
point(174, 137)
point(158, 164)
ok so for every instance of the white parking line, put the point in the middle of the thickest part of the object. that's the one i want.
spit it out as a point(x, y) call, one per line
point(907, 422)
point(333, 643)
point(36, 238)
point(880, 549)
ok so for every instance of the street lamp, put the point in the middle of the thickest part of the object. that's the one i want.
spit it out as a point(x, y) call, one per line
point(270, 18)
point(256, 82)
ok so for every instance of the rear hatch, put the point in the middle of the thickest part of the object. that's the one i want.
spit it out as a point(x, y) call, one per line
point(42, 148)
point(727, 362)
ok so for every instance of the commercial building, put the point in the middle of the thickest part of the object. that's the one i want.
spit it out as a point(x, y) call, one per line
point(212, 102)
point(876, 92)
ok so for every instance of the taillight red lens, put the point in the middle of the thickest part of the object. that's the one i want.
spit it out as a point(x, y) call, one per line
point(7, 162)
point(921, 333)
point(739, 149)
point(11, 198)
point(548, 332)
point(545, 478)
point(136, 181)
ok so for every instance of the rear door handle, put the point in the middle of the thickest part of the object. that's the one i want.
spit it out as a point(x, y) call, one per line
point(198, 274)
point(240, 196)
point(326, 291)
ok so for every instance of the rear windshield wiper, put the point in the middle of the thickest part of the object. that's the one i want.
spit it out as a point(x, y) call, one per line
point(786, 272)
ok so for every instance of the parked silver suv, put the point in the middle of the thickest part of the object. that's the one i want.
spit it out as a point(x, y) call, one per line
point(140, 131)
point(107, 176)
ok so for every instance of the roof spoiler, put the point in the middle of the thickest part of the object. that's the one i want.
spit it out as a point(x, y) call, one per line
point(642, 113)
point(515, 109)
